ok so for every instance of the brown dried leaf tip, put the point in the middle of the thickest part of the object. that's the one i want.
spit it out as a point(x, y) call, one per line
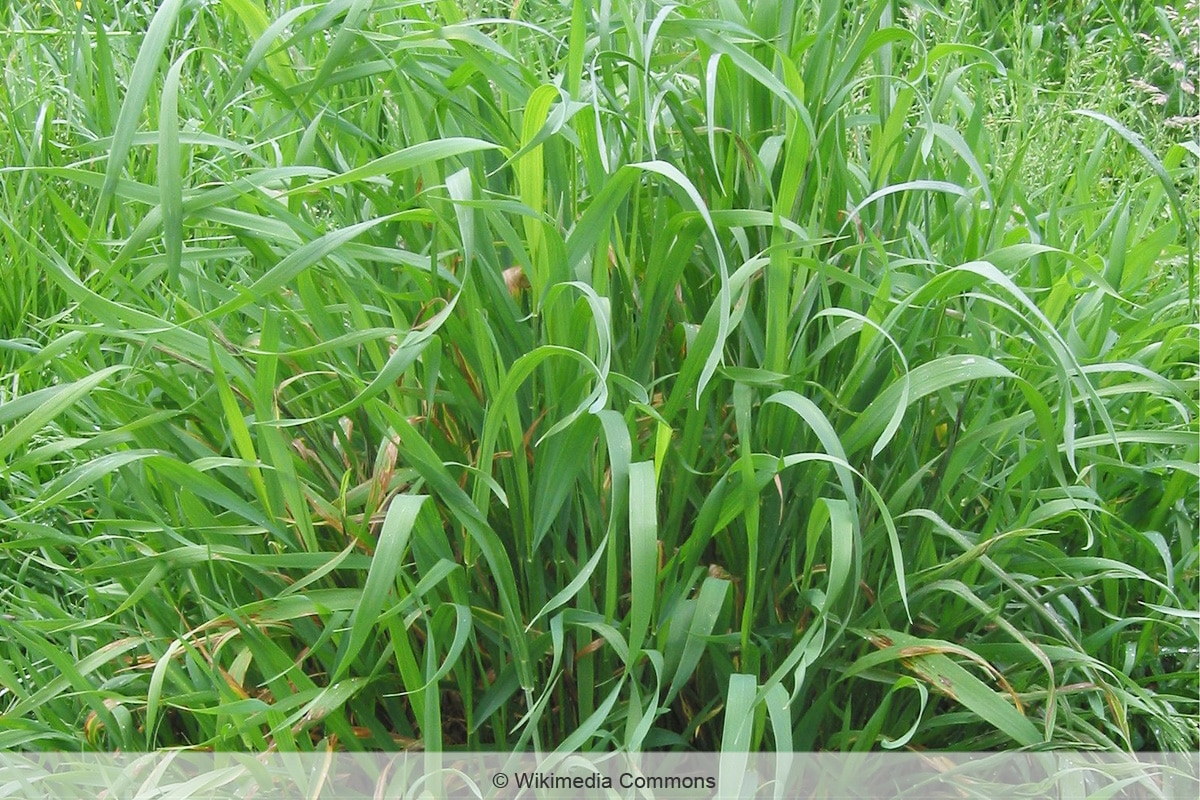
point(515, 280)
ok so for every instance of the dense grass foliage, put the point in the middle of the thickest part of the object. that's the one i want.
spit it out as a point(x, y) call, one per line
point(774, 374)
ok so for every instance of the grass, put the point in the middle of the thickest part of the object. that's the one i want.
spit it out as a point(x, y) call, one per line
point(608, 375)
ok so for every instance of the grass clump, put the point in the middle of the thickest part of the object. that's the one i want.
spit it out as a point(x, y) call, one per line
point(595, 375)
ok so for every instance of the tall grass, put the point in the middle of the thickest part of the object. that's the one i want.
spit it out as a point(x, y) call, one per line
point(596, 375)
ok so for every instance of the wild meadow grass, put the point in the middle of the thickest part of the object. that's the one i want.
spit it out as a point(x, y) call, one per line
point(598, 375)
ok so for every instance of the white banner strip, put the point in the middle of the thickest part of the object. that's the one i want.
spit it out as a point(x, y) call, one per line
point(184, 775)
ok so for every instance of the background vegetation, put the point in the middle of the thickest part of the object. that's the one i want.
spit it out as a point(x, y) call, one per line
point(776, 374)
